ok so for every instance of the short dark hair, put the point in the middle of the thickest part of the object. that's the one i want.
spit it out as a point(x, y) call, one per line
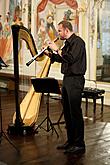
point(66, 24)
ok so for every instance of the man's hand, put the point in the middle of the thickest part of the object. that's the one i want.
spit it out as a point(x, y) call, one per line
point(48, 53)
point(53, 46)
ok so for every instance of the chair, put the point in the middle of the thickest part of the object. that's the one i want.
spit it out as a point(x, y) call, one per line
point(92, 92)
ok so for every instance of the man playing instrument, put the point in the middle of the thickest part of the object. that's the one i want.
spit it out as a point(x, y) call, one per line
point(73, 59)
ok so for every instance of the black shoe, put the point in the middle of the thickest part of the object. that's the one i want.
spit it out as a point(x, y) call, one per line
point(75, 150)
point(64, 146)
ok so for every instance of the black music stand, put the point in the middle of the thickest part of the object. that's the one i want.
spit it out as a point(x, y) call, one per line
point(46, 85)
point(2, 133)
point(2, 63)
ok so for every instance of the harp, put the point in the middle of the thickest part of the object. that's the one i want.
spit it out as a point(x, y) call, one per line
point(27, 111)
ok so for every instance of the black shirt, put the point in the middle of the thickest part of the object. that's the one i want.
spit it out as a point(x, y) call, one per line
point(73, 56)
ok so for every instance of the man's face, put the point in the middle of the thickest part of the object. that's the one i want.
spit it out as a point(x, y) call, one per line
point(62, 32)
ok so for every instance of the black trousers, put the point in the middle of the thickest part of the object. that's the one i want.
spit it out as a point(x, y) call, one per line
point(71, 99)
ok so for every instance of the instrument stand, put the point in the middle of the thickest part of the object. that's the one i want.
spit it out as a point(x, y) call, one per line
point(62, 113)
point(59, 120)
point(2, 133)
point(46, 85)
point(50, 125)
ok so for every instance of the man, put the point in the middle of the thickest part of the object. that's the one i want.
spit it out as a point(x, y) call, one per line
point(73, 59)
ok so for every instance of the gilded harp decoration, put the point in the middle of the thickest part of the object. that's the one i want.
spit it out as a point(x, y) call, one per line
point(27, 111)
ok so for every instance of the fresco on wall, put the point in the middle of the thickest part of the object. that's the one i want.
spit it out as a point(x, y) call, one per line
point(73, 17)
point(6, 39)
point(103, 43)
point(46, 29)
point(48, 17)
point(11, 17)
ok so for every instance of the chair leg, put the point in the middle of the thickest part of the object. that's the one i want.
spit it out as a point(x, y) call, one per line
point(86, 107)
point(94, 110)
point(102, 101)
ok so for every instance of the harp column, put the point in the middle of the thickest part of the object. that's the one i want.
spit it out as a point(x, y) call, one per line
point(16, 127)
point(18, 121)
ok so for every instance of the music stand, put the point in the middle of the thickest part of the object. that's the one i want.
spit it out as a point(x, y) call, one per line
point(46, 85)
point(2, 63)
point(2, 133)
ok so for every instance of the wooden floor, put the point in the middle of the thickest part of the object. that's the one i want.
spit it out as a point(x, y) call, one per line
point(40, 149)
